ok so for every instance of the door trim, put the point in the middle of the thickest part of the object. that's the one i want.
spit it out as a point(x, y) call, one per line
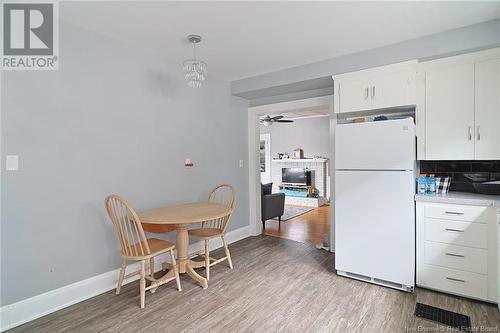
point(253, 153)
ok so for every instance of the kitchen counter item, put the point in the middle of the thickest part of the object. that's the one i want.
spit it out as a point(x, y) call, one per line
point(491, 188)
point(461, 198)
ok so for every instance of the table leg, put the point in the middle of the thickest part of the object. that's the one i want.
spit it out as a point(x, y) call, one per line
point(185, 264)
point(182, 244)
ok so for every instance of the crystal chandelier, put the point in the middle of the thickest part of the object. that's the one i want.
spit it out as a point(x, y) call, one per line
point(195, 70)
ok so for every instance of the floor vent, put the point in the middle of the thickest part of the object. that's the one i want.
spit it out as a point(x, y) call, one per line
point(452, 319)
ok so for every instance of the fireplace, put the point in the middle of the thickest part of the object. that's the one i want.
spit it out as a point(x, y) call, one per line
point(317, 166)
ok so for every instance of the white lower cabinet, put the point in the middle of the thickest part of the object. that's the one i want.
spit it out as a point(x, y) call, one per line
point(457, 249)
point(454, 281)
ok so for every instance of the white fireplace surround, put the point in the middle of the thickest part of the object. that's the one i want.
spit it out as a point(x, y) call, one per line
point(319, 174)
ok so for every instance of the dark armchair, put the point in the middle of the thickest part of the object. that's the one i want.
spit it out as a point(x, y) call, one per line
point(272, 204)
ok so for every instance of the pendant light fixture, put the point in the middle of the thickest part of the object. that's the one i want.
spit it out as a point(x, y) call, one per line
point(195, 70)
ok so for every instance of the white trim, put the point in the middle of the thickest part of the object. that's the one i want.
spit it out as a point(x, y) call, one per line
point(331, 165)
point(254, 113)
point(307, 117)
point(301, 105)
point(21, 312)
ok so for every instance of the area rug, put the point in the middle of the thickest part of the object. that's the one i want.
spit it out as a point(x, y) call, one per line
point(293, 211)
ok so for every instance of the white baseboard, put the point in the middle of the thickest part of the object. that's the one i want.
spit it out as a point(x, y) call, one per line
point(21, 312)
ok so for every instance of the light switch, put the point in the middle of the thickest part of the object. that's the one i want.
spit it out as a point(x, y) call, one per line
point(241, 163)
point(12, 162)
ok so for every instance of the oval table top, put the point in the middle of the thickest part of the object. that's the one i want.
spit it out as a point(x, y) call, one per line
point(185, 213)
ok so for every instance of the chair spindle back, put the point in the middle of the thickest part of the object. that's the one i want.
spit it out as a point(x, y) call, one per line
point(224, 194)
point(128, 227)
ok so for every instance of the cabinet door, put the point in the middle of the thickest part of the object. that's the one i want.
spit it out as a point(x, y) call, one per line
point(393, 89)
point(353, 94)
point(487, 80)
point(449, 113)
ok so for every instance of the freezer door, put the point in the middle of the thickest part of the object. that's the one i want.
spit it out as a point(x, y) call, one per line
point(375, 224)
point(378, 145)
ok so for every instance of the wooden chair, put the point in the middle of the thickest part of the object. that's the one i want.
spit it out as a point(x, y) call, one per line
point(135, 247)
point(224, 194)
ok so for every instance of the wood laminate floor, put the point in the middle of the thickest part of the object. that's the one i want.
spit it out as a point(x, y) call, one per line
point(312, 227)
point(277, 285)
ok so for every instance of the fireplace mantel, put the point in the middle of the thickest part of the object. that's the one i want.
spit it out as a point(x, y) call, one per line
point(306, 160)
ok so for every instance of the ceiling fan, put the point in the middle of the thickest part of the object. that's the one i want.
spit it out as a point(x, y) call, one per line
point(268, 120)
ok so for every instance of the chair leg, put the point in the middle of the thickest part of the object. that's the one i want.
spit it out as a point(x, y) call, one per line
point(226, 249)
point(121, 275)
point(152, 267)
point(207, 259)
point(176, 270)
point(279, 221)
point(263, 225)
point(142, 283)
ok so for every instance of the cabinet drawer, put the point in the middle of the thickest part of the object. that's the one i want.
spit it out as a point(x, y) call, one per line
point(456, 257)
point(456, 232)
point(454, 281)
point(457, 212)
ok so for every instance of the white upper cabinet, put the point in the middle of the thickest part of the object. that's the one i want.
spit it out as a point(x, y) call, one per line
point(376, 88)
point(487, 107)
point(394, 88)
point(458, 107)
point(355, 94)
point(449, 105)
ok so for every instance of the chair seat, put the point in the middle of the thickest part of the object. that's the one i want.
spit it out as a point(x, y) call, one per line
point(156, 246)
point(206, 232)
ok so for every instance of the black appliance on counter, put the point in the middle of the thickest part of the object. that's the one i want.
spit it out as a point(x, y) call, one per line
point(475, 183)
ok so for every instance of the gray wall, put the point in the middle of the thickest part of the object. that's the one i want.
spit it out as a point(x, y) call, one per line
point(111, 120)
point(310, 134)
point(315, 76)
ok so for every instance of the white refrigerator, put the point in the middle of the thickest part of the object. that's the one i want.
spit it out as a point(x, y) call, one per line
point(374, 202)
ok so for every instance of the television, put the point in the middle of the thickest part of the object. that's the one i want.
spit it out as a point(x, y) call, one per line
point(296, 176)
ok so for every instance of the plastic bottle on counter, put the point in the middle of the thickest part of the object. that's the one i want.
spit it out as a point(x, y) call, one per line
point(431, 183)
point(421, 184)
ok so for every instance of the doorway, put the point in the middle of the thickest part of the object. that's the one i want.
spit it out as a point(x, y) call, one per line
point(308, 215)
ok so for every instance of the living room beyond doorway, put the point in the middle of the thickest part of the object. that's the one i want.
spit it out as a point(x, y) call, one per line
point(294, 167)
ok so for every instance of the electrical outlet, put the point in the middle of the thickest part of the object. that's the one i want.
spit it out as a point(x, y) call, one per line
point(12, 162)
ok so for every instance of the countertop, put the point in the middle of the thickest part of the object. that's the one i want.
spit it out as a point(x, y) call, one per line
point(461, 198)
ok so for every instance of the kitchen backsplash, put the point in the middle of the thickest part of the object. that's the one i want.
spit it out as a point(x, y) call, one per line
point(463, 173)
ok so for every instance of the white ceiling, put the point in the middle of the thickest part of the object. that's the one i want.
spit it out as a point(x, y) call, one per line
point(242, 39)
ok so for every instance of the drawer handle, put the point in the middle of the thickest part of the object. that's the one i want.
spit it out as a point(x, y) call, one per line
point(455, 255)
point(454, 213)
point(453, 230)
point(453, 279)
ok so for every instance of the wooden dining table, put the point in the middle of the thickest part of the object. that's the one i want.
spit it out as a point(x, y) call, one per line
point(181, 216)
